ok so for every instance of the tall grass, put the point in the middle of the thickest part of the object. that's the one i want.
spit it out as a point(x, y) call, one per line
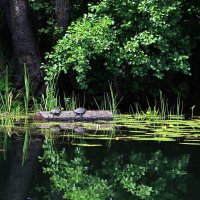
point(192, 111)
point(36, 105)
point(21, 102)
point(6, 98)
point(109, 101)
point(163, 105)
point(71, 103)
point(27, 92)
point(160, 109)
point(50, 100)
point(10, 104)
point(179, 106)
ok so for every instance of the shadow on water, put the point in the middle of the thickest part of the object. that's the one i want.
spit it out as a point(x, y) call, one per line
point(125, 159)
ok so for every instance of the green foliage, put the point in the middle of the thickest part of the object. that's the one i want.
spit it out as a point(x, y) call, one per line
point(50, 100)
point(85, 38)
point(47, 9)
point(131, 37)
point(6, 96)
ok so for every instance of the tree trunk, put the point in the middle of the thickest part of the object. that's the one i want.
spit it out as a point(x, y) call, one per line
point(24, 43)
point(62, 13)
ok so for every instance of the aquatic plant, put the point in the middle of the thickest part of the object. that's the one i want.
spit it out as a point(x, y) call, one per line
point(50, 100)
point(26, 83)
point(109, 101)
point(36, 105)
point(6, 99)
point(10, 103)
point(160, 110)
point(192, 110)
point(71, 103)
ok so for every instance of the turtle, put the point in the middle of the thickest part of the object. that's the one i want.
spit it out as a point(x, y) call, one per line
point(80, 111)
point(56, 111)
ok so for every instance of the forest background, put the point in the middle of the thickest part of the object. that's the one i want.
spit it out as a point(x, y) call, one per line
point(140, 47)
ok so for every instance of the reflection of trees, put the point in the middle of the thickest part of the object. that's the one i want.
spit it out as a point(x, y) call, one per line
point(148, 176)
point(141, 176)
point(71, 177)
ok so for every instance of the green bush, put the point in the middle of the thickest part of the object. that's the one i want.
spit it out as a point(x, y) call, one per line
point(132, 38)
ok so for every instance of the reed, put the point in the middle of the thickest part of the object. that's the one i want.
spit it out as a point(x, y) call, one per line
point(50, 99)
point(66, 101)
point(192, 111)
point(71, 103)
point(160, 109)
point(17, 106)
point(27, 90)
point(109, 101)
point(163, 110)
point(36, 106)
point(6, 98)
point(10, 104)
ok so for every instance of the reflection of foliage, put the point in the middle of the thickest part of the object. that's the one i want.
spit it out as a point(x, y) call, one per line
point(71, 178)
point(155, 177)
point(144, 176)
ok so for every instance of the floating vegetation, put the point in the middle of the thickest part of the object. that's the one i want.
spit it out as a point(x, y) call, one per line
point(86, 145)
point(123, 127)
point(190, 143)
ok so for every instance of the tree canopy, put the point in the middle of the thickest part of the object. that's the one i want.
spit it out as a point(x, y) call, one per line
point(131, 37)
point(140, 46)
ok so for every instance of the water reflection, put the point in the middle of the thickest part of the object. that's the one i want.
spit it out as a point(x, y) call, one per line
point(111, 165)
point(18, 163)
point(77, 174)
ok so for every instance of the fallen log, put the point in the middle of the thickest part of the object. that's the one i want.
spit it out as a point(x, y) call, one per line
point(90, 115)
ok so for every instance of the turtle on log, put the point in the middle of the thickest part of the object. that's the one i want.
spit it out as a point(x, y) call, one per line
point(79, 111)
point(56, 111)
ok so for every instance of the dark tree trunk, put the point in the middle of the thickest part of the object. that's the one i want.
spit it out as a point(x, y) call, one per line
point(24, 43)
point(62, 13)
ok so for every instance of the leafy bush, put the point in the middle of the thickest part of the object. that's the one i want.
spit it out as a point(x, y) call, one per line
point(132, 38)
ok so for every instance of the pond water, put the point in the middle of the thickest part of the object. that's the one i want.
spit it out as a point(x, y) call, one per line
point(132, 157)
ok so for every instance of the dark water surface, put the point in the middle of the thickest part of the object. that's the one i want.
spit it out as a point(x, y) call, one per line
point(100, 161)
